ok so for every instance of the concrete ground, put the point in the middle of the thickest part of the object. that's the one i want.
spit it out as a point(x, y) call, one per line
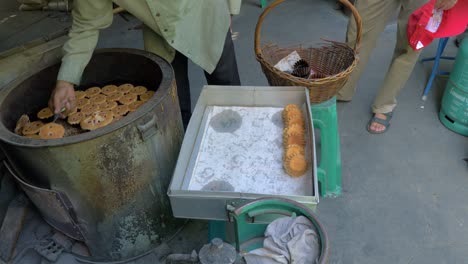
point(404, 192)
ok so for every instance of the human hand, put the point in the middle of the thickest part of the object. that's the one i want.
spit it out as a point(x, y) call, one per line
point(62, 96)
point(445, 4)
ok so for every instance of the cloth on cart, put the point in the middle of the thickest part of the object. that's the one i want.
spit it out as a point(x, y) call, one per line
point(288, 240)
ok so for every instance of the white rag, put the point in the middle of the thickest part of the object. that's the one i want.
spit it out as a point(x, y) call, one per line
point(286, 64)
point(288, 240)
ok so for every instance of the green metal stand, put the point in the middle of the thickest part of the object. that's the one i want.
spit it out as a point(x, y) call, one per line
point(329, 170)
point(217, 229)
point(263, 3)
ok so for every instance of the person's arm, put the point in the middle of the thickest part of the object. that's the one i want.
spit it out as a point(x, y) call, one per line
point(89, 16)
point(445, 4)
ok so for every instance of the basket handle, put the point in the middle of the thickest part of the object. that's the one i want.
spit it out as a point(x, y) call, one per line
point(267, 10)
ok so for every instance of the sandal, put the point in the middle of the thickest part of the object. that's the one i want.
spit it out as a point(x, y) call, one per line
point(384, 122)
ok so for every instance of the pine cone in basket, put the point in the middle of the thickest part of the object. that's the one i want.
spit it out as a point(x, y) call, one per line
point(301, 69)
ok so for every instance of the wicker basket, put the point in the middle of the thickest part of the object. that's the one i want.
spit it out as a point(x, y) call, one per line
point(333, 61)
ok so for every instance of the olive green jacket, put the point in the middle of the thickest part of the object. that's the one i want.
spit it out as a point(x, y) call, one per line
point(195, 28)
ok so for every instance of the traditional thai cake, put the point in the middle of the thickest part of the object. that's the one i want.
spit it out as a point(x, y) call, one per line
point(92, 91)
point(82, 102)
point(109, 89)
point(51, 131)
point(128, 99)
point(80, 94)
point(120, 110)
point(294, 128)
point(135, 105)
point(109, 105)
point(21, 123)
point(293, 150)
point(295, 165)
point(75, 118)
point(97, 120)
point(295, 119)
point(45, 113)
point(294, 139)
point(146, 96)
point(98, 99)
point(32, 127)
point(115, 96)
point(89, 109)
point(138, 90)
point(125, 88)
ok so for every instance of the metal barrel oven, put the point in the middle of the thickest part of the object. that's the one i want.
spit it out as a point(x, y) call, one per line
point(105, 187)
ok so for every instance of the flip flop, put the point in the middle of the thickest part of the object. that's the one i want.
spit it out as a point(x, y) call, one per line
point(384, 122)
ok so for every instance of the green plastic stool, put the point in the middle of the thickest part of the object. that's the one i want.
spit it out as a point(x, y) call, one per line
point(329, 169)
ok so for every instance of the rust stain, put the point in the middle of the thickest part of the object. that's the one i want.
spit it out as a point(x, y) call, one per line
point(125, 171)
point(174, 92)
point(89, 181)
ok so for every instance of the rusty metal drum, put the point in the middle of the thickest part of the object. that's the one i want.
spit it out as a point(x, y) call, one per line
point(106, 187)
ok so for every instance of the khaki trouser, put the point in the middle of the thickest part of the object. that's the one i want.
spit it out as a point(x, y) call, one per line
point(375, 15)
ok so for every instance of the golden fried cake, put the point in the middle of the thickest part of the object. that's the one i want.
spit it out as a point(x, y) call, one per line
point(293, 150)
point(45, 113)
point(80, 94)
point(117, 118)
point(108, 105)
point(138, 90)
point(32, 128)
point(97, 120)
point(294, 139)
point(291, 107)
point(109, 89)
point(128, 99)
point(290, 110)
point(82, 102)
point(294, 119)
point(120, 110)
point(115, 96)
point(98, 99)
point(125, 88)
point(92, 91)
point(71, 112)
point(51, 131)
point(89, 109)
point(108, 115)
point(135, 105)
point(294, 128)
point(21, 123)
point(146, 96)
point(295, 165)
point(75, 118)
